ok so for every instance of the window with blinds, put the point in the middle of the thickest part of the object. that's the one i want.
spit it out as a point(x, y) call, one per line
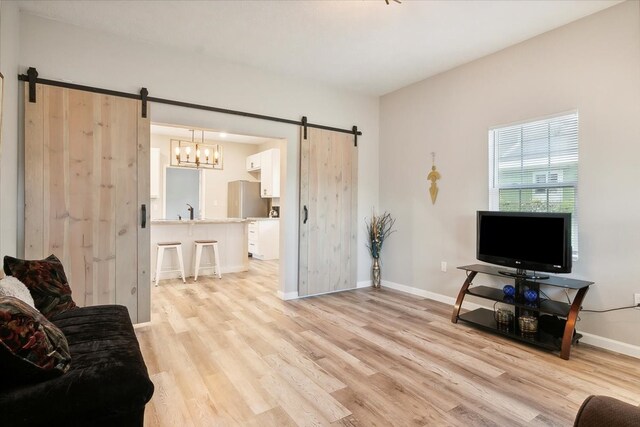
point(533, 167)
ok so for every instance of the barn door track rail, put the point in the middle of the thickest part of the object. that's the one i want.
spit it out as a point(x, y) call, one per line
point(32, 78)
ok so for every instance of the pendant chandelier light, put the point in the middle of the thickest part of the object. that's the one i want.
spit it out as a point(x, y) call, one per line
point(196, 154)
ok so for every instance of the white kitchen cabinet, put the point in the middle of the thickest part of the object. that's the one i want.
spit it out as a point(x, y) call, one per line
point(270, 173)
point(154, 166)
point(253, 162)
point(267, 163)
point(264, 238)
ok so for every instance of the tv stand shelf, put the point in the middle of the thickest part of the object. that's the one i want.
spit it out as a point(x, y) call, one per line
point(546, 306)
point(484, 318)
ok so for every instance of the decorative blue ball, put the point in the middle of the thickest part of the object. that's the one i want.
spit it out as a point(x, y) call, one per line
point(509, 290)
point(530, 295)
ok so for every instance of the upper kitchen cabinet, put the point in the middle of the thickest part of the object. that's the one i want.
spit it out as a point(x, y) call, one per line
point(270, 173)
point(253, 162)
point(267, 163)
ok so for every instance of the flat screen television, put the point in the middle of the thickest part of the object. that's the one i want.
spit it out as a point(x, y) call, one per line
point(538, 242)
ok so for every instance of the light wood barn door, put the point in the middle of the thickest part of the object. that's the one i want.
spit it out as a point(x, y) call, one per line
point(328, 212)
point(86, 178)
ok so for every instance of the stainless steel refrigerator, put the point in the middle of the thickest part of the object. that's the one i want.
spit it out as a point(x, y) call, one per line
point(244, 201)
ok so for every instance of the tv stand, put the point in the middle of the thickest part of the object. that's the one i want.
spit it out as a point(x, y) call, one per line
point(485, 319)
point(523, 274)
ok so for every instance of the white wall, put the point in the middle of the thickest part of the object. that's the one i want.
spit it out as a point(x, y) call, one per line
point(235, 168)
point(63, 52)
point(592, 65)
point(215, 180)
point(9, 151)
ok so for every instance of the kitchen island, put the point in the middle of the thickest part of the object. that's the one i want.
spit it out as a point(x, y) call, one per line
point(231, 234)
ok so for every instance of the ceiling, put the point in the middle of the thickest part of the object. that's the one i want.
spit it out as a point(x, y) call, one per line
point(184, 133)
point(365, 46)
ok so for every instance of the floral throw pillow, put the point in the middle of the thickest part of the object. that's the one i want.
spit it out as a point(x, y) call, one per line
point(31, 348)
point(46, 281)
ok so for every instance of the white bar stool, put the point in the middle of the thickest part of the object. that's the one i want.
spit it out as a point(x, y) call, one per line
point(213, 244)
point(169, 245)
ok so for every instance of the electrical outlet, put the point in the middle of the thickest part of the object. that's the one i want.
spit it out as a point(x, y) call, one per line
point(443, 267)
point(636, 301)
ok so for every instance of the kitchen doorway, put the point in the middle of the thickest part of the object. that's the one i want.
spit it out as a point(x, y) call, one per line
point(235, 201)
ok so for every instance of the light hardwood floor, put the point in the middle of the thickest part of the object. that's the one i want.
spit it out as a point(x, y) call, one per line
point(229, 352)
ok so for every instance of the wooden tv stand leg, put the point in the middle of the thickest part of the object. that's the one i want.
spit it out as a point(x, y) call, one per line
point(463, 291)
point(570, 326)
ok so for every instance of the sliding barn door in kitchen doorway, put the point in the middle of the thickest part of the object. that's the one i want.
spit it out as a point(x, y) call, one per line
point(86, 180)
point(328, 212)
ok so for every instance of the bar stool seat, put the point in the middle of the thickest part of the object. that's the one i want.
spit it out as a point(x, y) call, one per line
point(161, 248)
point(213, 244)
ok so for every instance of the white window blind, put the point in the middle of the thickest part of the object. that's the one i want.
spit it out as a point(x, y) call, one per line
point(533, 167)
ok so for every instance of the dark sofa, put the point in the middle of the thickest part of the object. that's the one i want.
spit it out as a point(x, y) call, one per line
point(597, 411)
point(106, 385)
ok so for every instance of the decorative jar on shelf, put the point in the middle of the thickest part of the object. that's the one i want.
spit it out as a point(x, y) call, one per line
point(504, 316)
point(528, 325)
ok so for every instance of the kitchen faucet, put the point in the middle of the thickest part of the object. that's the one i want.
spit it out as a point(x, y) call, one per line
point(190, 209)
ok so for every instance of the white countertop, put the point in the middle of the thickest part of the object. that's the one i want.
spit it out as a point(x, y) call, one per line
point(197, 221)
point(262, 219)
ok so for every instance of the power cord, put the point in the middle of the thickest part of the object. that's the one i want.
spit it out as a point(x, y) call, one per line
point(545, 295)
point(611, 309)
point(591, 311)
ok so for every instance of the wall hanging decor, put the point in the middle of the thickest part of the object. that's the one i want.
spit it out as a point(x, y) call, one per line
point(433, 176)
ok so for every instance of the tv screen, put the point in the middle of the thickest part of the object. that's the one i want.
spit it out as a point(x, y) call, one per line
point(525, 240)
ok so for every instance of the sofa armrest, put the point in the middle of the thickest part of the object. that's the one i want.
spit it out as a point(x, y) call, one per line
point(597, 411)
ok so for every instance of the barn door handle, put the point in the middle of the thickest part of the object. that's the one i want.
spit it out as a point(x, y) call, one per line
point(306, 214)
point(143, 216)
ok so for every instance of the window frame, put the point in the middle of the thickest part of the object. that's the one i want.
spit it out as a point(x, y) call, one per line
point(533, 185)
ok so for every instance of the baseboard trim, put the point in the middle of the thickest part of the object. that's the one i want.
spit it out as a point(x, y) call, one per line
point(609, 344)
point(429, 295)
point(363, 284)
point(204, 271)
point(286, 296)
point(228, 269)
point(587, 338)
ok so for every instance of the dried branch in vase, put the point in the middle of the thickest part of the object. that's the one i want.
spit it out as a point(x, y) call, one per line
point(378, 229)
